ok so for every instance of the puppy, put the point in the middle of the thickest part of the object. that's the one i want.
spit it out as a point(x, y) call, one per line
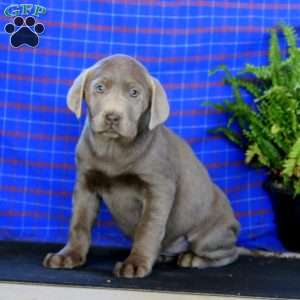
point(159, 194)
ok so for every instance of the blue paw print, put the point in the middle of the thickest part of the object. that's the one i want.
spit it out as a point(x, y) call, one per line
point(24, 32)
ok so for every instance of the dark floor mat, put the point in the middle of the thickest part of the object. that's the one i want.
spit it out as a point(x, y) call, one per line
point(249, 276)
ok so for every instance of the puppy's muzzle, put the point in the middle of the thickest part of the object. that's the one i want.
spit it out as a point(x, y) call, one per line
point(112, 119)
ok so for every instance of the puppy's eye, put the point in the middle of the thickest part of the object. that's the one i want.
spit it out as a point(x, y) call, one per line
point(100, 88)
point(133, 93)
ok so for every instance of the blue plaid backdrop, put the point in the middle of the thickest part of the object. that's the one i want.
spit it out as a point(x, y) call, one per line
point(179, 42)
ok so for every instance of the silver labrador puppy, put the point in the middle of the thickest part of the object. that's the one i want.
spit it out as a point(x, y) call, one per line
point(157, 191)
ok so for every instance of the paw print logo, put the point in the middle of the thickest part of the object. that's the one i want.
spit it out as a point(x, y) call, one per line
point(24, 32)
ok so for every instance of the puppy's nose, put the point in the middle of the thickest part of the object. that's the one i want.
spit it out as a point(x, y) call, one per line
point(112, 118)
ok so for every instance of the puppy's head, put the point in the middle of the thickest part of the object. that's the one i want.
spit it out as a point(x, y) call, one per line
point(121, 96)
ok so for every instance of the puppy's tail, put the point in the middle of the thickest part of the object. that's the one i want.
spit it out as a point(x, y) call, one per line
point(262, 253)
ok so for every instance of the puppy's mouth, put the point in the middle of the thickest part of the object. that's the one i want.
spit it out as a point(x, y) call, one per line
point(110, 133)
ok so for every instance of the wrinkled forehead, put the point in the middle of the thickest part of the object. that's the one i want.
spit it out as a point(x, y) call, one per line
point(122, 69)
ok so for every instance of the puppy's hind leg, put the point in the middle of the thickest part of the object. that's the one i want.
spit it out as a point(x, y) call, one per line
point(211, 251)
point(206, 260)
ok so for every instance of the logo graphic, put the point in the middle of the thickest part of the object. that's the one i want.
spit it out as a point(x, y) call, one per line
point(24, 30)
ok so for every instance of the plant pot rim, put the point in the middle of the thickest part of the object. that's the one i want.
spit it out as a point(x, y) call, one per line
point(274, 184)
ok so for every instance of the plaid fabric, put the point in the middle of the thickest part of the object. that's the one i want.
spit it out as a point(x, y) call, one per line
point(179, 42)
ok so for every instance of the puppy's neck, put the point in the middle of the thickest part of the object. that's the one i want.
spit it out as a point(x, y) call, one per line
point(114, 150)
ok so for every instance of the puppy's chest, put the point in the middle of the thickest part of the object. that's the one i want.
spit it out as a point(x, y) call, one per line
point(123, 194)
point(99, 181)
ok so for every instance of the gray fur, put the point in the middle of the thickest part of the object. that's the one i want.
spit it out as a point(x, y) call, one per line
point(156, 189)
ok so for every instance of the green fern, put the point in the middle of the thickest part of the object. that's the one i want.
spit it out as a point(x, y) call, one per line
point(291, 39)
point(275, 58)
point(269, 130)
point(231, 135)
point(262, 73)
point(253, 153)
point(252, 88)
point(291, 166)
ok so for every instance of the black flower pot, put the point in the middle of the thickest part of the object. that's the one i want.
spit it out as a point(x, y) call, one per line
point(287, 214)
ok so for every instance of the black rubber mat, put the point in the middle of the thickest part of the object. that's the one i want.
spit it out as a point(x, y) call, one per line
point(249, 276)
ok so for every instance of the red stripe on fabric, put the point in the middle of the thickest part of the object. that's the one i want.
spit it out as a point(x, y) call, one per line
point(219, 165)
point(108, 223)
point(196, 112)
point(192, 85)
point(46, 108)
point(40, 191)
point(232, 4)
point(34, 191)
point(38, 136)
point(47, 80)
point(69, 166)
point(252, 213)
point(33, 107)
point(197, 140)
point(38, 164)
point(212, 4)
point(97, 56)
point(41, 79)
point(152, 30)
point(54, 52)
point(242, 187)
point(199, 58)
point(74, 138)
point(34, 214)
point(54, 216)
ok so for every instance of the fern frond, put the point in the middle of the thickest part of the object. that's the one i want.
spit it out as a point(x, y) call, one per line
point(231, 135)
point(218, 106)
point(219, 68)
point(262, 73)
point(253, 152)
point(291, 38)
point(250, 87)
point(296, 187)
point(274, 57)
point(293, 160)
point(270, 152)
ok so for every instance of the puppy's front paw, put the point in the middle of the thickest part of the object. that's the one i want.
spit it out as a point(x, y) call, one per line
point(133, 267)
point(61, 260)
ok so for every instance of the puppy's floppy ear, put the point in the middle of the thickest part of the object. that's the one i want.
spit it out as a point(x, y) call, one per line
point(76, 93)
point(159, 110)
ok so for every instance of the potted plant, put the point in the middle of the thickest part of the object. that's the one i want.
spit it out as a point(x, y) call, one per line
point(267, 128)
